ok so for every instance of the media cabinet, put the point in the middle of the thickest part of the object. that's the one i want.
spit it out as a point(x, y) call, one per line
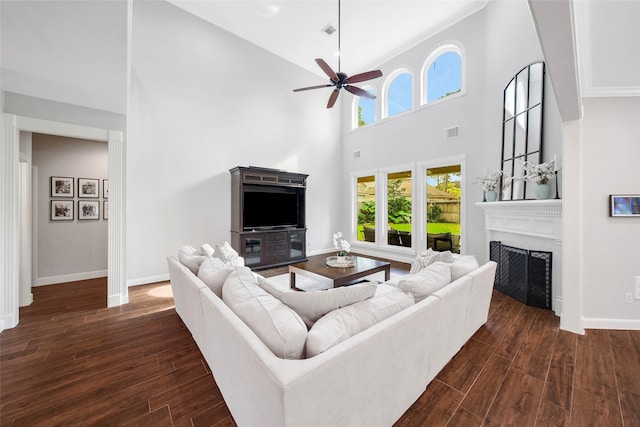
point(268, 227)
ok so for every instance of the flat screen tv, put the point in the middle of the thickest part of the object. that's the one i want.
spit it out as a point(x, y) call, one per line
point(268, 210)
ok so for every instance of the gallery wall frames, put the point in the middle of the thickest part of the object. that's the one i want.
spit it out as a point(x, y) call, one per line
point(624, 205)
point(61, 186)
point(62, 210)
point(88, 188)
point(88, 209)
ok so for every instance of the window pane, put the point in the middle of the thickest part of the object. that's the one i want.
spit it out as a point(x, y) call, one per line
point(366, 109)
point(444, 76)
point(399, 208)
point(510, 100)
point(399, 94)
point(366, 208)
point(443, 208)
point(535, 84)
point(522, 90)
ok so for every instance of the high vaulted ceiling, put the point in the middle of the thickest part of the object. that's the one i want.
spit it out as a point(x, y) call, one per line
point(371, 31)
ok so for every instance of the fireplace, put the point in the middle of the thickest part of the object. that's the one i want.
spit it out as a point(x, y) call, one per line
point(523, 274)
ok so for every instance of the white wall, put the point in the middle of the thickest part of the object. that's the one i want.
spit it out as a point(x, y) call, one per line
point(498, 42)
point(611, 155)
point(202, 102)
point(68, 250)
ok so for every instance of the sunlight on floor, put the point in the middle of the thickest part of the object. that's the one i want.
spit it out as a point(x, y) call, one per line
point(163, 291)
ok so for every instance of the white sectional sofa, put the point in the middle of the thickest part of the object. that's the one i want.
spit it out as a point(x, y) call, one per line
point(369, 379)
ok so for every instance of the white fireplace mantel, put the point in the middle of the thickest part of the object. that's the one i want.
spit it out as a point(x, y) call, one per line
point(537, 218)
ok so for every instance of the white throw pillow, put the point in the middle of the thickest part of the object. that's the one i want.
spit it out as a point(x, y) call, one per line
point(207, 250)
point(313, 305)
point(338, 325)
point(428, 257)
point(426, 281)
point(463, 265)
point(228, 255)
point(213, 272)
point(191, 258)
point(278, 326)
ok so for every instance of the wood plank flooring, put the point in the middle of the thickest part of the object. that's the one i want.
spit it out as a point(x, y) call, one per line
point(72, 362)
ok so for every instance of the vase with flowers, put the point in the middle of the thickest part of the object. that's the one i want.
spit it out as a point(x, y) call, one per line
point(540, 174)
point(489, 184)
point(342, 258)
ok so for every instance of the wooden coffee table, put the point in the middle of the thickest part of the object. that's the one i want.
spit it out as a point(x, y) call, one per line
point(339, 275)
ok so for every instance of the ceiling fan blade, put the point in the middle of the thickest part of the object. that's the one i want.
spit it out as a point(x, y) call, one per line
point(311, 87)
point(328, 70)
point(333, 97)
point(360, 92)
point(369, 75)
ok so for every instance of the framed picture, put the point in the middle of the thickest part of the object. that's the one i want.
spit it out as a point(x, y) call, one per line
point(88, 209)
point(88, 188)
point(105, 210)
point(105, 188)
point(62, 210)
point(624, 205)
point(61, 186)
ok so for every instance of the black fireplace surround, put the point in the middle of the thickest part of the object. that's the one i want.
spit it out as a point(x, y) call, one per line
point(523, 274)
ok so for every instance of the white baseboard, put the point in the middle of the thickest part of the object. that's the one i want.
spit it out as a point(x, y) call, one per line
point(148, 279)
point(53, 280)
point(595, 323)
point(117, 300)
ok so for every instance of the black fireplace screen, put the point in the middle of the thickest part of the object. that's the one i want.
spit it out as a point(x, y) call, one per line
point(523, 274)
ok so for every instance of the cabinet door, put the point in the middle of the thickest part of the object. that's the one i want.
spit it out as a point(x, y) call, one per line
point(253, 246)
point(296, 244)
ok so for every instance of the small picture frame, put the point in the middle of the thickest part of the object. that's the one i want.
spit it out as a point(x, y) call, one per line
point(105, 188)
point(105, 210)
point(61, 210)
point(61, 186)
point(624, 205)
point(88, 188)
point(88, 209)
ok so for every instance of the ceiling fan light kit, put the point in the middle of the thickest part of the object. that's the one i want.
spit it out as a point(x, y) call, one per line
point(341, 80)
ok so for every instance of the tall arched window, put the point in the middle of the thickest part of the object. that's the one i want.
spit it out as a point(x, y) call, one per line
point(398, 93)
point(364, 109)
point(442, 74)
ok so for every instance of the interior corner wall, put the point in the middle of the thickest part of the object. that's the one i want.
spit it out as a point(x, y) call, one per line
point(202, 102)
point(68, 250)
point(611, 249)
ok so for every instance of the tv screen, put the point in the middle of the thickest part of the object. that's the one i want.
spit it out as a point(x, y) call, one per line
point(270, 209)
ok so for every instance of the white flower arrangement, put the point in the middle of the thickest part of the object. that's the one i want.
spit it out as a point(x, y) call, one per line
point(342, 246)
point(490, 182)
point(540, 173)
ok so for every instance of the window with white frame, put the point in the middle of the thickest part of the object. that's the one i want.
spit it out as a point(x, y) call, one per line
point(364, 109)
point(442, 74)
point(398, 93)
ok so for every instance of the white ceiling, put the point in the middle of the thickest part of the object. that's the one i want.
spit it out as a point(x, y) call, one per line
point(373, 31)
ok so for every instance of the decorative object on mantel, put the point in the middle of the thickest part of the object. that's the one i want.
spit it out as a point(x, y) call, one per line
point(489, 185)
point(540, 175)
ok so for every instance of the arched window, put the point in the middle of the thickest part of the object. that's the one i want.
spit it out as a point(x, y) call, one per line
point(364, 109)
point(442, 74)
point(398, 93)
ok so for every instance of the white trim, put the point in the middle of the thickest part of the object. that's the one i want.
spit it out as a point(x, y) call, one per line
point(354, 108)
point(384, 95)
point(599, 323)
point(75, 277)
point(149, 279)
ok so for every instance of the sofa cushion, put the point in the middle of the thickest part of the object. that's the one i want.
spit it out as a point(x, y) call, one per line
point(426, 281)
point(207, 250)
point(311, 306)
point(428, 257)
point(228, 255)
point(463, 265)
point(278, 326)
point(213, 272)
point(191, 258)
point(338, 325)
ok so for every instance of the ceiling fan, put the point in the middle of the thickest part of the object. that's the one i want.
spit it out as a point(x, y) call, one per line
point(341, 80)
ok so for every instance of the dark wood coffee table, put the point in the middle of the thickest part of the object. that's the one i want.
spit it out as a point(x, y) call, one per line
point(339, 275)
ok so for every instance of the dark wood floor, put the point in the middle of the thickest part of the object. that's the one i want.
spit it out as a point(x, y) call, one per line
point(73, 362)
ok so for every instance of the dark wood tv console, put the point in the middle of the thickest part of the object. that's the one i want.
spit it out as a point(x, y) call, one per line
point(277, 241)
